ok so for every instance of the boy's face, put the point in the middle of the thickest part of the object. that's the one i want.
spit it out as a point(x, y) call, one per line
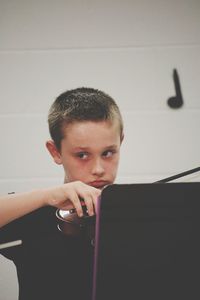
point(90, 152)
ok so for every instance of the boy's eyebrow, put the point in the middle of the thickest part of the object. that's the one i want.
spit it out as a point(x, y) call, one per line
point(88, 148)
point(81, 148)
point(111, 146)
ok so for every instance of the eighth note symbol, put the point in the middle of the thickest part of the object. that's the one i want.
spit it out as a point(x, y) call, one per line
point(177, 100)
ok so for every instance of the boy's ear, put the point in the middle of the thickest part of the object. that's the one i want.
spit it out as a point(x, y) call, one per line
point(54, 152)
point(122, 138)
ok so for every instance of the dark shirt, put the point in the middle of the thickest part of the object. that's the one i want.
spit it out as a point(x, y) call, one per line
point(49, 264)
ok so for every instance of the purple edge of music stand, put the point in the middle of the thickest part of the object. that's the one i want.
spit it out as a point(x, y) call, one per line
point(96, 249)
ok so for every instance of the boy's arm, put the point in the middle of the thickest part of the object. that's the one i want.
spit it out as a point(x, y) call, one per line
point(14, 206)
point(66, 196)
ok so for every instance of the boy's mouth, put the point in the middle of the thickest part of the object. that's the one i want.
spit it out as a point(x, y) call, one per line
point(99, 184)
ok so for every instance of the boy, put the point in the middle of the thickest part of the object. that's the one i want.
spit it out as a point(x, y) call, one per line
point(86, 130)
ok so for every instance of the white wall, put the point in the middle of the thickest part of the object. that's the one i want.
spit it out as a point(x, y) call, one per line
point(126, 48)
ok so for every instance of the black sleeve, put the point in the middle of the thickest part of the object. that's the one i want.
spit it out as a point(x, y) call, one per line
point(32, 226)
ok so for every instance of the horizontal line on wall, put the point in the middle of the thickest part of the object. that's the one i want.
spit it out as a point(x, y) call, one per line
point(24, 115)
point(148, 111)
point(159, 176)
point(161, 111)
point(166, 174)
point(101, 48)
point(32, 179)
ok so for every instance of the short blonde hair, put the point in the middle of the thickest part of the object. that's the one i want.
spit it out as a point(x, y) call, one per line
point(81, 104)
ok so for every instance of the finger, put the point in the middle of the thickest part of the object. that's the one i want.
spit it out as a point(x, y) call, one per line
point(89, 204)
point(77, 204)
point(94, 199)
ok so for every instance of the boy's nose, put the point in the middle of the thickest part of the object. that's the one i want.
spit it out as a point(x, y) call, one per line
point(98, 168)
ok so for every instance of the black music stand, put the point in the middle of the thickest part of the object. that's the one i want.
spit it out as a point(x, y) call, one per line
point(147, 242)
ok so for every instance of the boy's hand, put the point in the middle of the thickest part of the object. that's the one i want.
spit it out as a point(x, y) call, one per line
point(70, 195)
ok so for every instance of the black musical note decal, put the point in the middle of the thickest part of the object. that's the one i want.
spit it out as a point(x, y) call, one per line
point(177, 100)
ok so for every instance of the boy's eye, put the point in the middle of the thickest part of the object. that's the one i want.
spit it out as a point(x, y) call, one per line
point(108, 153)
point(82, 155)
